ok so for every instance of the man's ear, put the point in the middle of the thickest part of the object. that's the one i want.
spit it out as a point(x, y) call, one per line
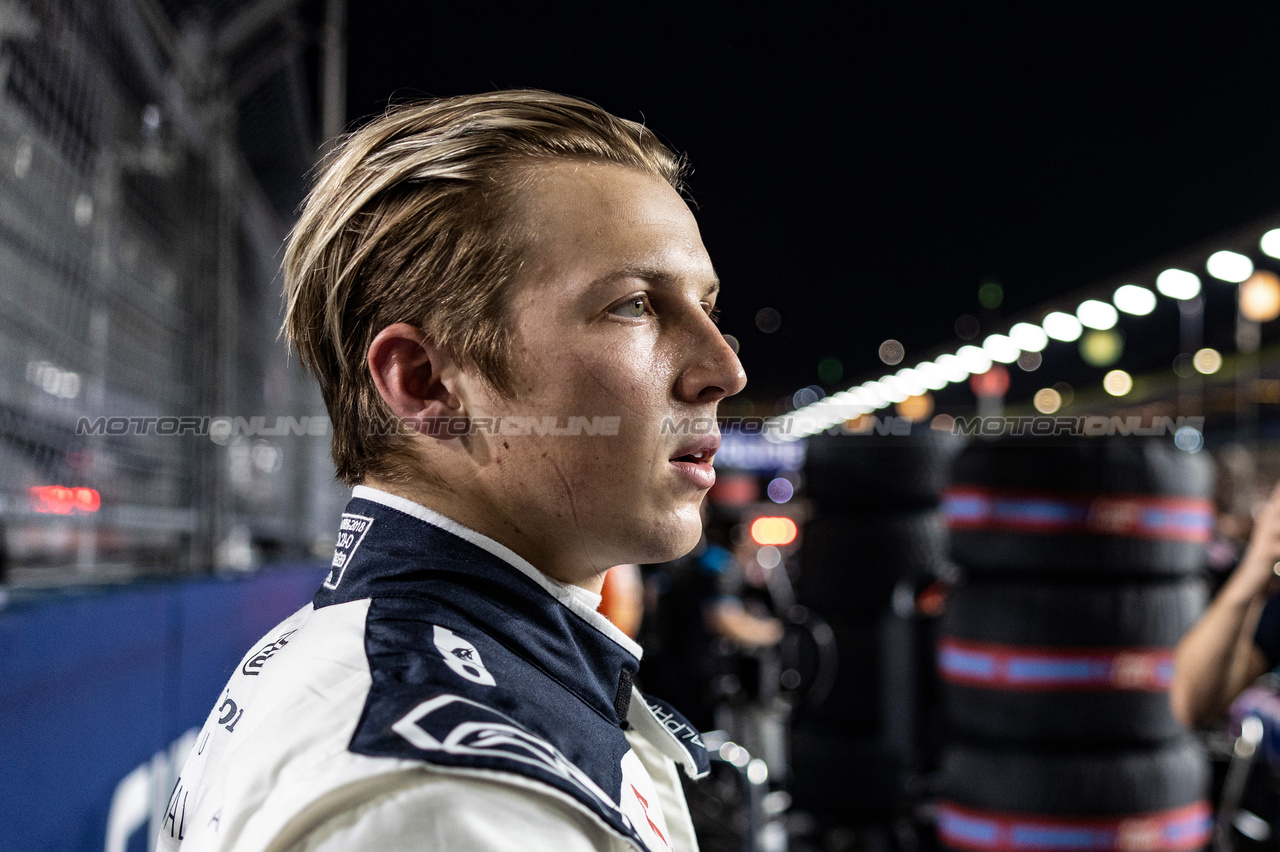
point(411, 374)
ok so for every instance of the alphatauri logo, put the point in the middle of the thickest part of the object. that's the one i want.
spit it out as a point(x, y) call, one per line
point(461, 656)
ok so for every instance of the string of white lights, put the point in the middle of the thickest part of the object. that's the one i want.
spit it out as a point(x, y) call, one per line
point(1006, 348)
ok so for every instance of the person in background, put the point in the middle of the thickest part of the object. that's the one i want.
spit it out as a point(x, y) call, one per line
point(698, 617)
point(1238, 638)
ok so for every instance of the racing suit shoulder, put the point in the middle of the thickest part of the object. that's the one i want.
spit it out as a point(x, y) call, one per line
point(429, 661)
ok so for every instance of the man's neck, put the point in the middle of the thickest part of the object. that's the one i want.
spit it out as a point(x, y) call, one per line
point(489, 522)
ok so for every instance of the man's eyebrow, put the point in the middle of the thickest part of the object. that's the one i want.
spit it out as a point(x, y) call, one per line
point(655, 275)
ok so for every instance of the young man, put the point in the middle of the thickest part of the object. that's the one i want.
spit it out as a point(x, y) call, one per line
point(508, 307)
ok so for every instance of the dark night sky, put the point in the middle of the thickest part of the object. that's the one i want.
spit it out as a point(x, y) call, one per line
point(863, 172)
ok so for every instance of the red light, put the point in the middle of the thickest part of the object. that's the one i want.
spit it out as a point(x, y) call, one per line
point(60, 500)
point(88, 499)
point(992, 383)
point(775, 531)
point(734, 490)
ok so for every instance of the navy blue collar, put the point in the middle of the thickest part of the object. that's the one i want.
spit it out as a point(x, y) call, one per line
point(390, 547)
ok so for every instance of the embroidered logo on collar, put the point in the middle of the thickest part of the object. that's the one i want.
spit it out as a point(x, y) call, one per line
point(350, 533)
point(461, 656)
point(674, 724)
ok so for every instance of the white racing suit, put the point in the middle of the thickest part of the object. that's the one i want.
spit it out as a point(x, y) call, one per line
point(438, 693)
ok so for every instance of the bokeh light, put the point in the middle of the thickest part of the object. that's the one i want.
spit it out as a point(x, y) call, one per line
point(1178, 284)
point(933, 376)
point(773, 530)
point(1188, 439)
point(1270, 243)
point(1260, 296)
point(1135, 300)
point(891, 352)
point(911, 381)
point(974, 359)
point(805, 396)
point(1065, 391)
point(780, 490)
point(993, 383)
point(967, 327)
point(916, 408)
point(873, 393)
point(1117, 383)
point(1001, 348)
point(953, 367)
point(1102, 348)
point(768, 320)
point(1047, 400)
point(1030, 338)
point(990, 295)
point(1229, 266)
point(1062, 326)
point(1095, 314)
point(1207, 361)
point(892, 390)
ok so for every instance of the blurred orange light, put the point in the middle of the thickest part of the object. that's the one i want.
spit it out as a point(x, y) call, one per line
point(60, 500)
point(1260, 296)
point(776, 531)
point(916, 408)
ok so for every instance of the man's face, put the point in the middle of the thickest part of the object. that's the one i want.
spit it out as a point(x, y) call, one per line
point(611, 319)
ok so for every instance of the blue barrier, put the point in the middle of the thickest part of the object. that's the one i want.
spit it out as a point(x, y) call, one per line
point(98, 690)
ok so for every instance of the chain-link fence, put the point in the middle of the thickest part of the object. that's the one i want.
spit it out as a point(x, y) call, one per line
point(150, 157)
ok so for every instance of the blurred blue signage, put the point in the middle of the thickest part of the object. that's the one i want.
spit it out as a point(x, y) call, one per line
point(102, 691)
point(758, 453)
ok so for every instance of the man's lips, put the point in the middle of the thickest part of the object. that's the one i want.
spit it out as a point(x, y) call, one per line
point(693, 461)
point(700, 451)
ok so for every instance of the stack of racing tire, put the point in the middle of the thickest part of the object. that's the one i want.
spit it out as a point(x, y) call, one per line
point(876, 535)
point(1081, 561)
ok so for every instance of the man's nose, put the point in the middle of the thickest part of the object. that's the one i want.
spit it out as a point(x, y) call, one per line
point(714, 371)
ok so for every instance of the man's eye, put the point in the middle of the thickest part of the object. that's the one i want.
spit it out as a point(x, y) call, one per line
point(633, 308)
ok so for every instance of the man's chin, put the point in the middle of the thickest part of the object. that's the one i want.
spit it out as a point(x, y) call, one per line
point(683, 540)
point(671, 534)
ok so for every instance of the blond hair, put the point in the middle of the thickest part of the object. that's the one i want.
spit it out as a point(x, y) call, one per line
point(411, 220)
